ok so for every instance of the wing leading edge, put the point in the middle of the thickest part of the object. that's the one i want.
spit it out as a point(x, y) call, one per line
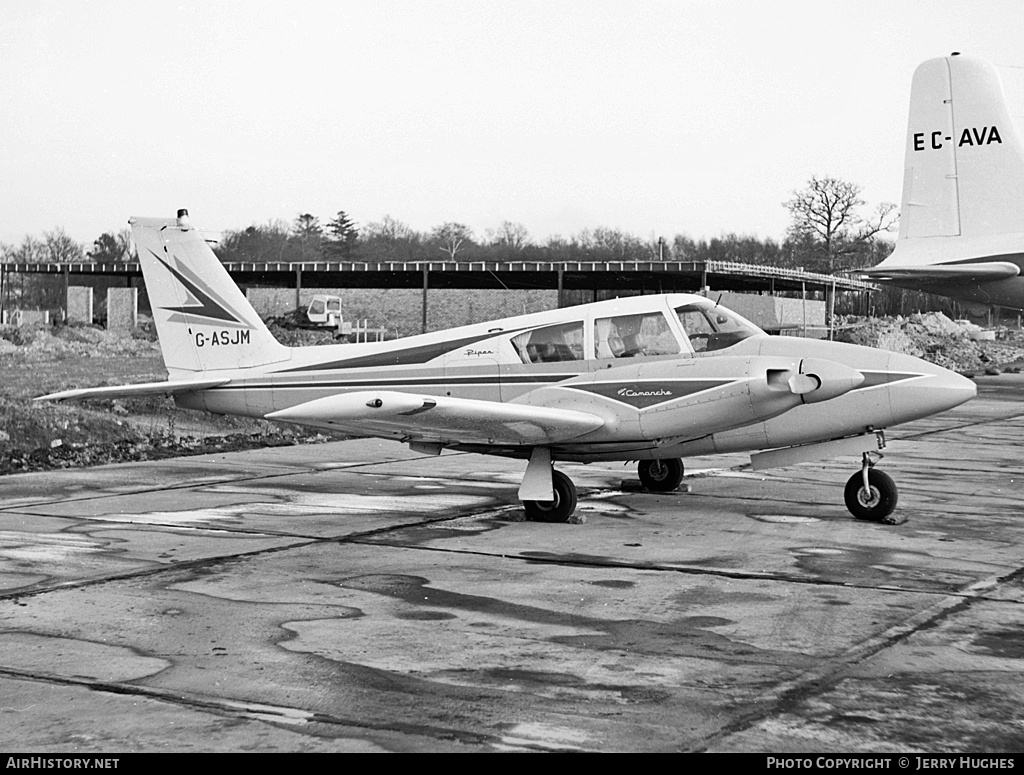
point(441, 418)
point(170, 387)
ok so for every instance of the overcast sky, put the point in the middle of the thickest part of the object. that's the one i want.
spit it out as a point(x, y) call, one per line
point(657, 118)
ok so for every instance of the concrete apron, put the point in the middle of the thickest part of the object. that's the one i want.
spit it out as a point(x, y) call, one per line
point(356, 597)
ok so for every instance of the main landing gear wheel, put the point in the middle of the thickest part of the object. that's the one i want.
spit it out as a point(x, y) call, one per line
point(559, 509)
point(661, 475)
point(877, 502)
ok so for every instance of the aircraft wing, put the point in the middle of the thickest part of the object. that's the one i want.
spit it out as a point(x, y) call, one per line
point(986, 271)
point(441, 418)
point(135, 391)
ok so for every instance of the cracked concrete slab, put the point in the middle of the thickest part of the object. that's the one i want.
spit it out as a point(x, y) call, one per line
point(354, 597)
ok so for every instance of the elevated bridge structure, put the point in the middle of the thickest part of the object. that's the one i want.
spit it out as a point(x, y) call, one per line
point(575, 276)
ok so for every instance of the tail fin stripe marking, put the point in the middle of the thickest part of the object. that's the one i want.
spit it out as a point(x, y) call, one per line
point(210, 305)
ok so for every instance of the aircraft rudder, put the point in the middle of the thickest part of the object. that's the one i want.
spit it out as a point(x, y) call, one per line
point(989, 152)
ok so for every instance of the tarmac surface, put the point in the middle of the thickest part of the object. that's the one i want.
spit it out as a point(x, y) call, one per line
point(356, 597)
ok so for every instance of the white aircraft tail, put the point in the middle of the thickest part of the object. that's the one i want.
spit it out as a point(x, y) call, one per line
point(204, 321)
point(963, 185)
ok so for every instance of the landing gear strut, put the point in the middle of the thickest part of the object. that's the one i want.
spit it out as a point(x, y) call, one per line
point(661, 475)
point(559, 509)
point(870, 495)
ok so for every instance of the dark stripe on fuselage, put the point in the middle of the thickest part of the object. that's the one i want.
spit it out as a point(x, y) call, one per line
point(641, 394)
point(326, 384)
point(876, 378)
point(409, 356)
point(872, 379)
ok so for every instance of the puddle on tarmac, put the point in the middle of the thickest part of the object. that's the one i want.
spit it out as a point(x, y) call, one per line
point(597, 505)
point(536, 735)
point(783, 519)
point(290, 503)
point(272, 713)
point(53, 547)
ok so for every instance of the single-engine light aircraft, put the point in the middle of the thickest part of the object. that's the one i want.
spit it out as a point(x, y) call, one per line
point(651, 379)
point(962, 218)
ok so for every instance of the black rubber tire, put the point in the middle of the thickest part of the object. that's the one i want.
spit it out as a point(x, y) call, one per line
point(661, 475)
point(559, 509)
point(876, 505)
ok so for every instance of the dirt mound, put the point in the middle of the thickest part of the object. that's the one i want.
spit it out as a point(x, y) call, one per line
point(46, 342)
point(935, 338)
point(41, 435)
point(29, 425)
point(146, 447)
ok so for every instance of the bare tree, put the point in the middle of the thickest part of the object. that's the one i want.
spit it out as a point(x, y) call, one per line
point(618, 244)
point(512, 235)
point(30, 251)
point(389, 239)
point(126, 245)
point(584, 239)
point(388, 229)
point(453, 237)
point(684, 247)
point(825, 218)
point(60, 248)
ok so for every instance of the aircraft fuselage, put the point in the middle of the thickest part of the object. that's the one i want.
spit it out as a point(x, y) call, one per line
point(733, 398)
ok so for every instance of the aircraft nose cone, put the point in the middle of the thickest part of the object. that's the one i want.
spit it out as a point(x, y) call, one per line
point(958, 389)
point(936, 390)
point(950, 389)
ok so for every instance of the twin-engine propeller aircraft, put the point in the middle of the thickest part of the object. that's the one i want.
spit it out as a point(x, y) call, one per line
point(648, 378)
point(962, 218)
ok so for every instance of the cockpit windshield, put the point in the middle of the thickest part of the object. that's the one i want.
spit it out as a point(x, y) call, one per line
point(711, 327)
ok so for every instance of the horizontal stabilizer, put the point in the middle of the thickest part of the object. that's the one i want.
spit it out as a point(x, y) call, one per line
point(986, 271)
point(137, 391)
point(441, 418)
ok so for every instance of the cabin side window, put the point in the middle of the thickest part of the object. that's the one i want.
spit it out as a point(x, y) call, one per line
point(551, 344)
point(630, 336)
point(712, 328)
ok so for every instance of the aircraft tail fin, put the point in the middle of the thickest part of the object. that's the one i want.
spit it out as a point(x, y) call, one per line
point(963, 186)
point(203, 319)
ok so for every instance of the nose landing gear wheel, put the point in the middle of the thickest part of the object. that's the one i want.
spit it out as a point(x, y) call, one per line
point(661, 475)
point(877, 502)
point(559, 509)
